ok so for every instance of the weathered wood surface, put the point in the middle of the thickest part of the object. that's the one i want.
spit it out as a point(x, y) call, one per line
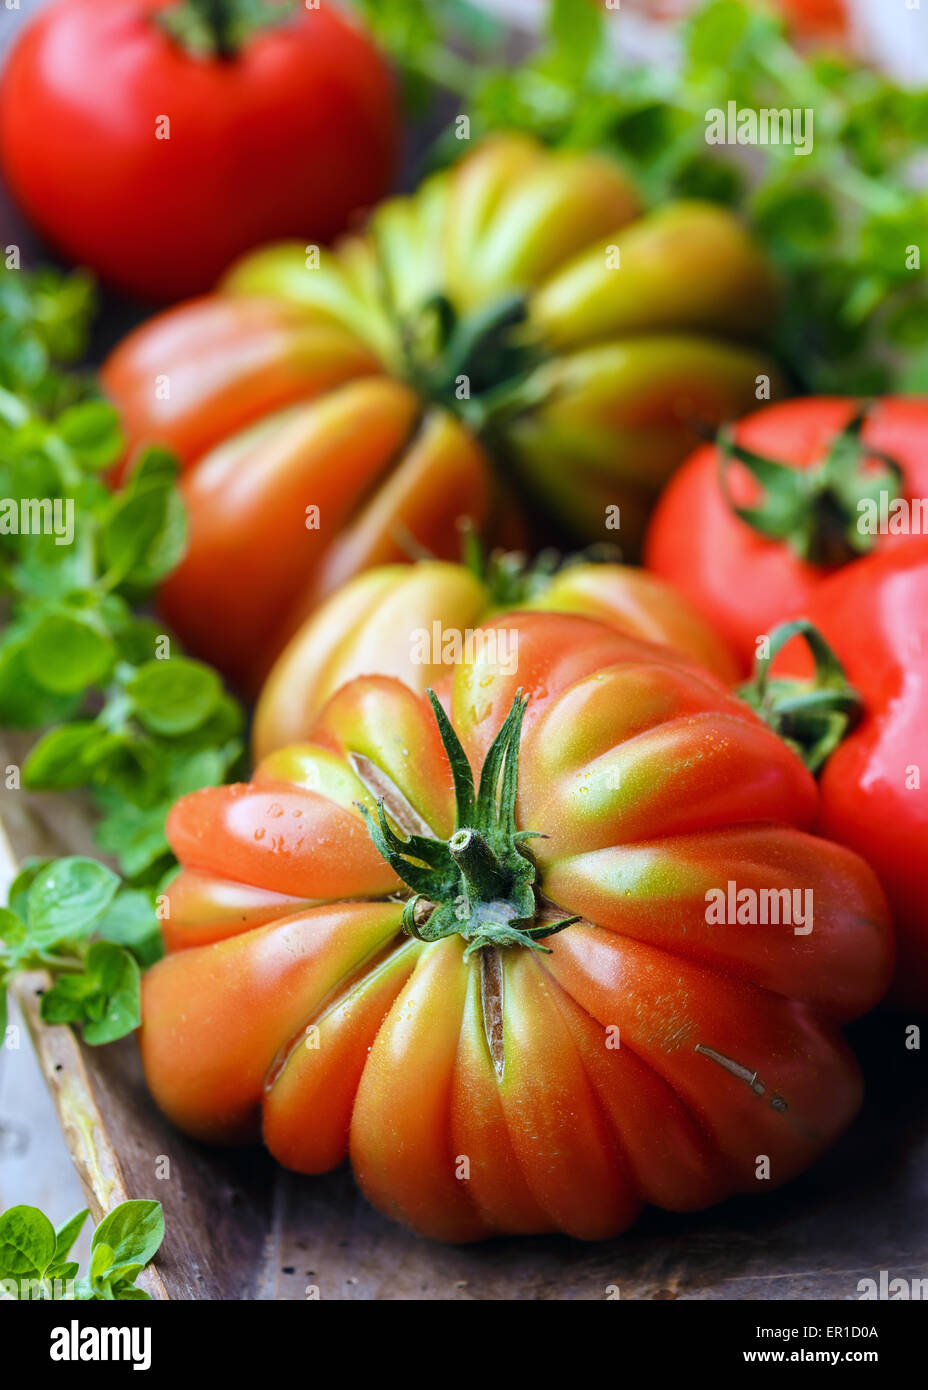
point(238, 1227)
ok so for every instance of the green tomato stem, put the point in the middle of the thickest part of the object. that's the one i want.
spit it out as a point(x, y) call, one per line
point(482, 874)
point(815, 511)
point(478, 884)
point(221, 28)
point(812, 717)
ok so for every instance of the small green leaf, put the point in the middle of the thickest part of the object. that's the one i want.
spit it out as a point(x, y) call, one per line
point(101, 1257)
point(58, 760)
point(68, 653)
point(93, 431)
point(716, 32)
point(709, 178)
point(68, 1000)
point(577, 32)
point(119, 1012)
point(119, 1274)
point(66, 898)
point(67, 1234)
point(12, 930)
point(24, 703)
point(104, 997)
point(153, 464)
point(27, 1243)
point(145, 532)
point(140, 640)
point(802, 219)
point(134, 834)
point(176, 696)
point(130, 921)
point(133, 1232)
point(53, 571)
point(19, 888)
point(907, 326)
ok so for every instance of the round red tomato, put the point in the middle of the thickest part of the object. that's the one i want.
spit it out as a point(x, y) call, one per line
point(156, 156)
point(822, 484)
point(510, 1033)
point(873, 791)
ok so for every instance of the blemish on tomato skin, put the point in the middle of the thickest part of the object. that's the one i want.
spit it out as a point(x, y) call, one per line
point(777, 1102)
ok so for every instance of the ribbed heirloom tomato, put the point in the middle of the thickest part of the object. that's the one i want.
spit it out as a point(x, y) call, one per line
point(518, 319)
point(413, 621)
point(511, 1033)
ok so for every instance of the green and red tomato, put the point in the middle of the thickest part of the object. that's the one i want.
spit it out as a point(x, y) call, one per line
point(515, 329)
point(372, 954)
point(412, 622)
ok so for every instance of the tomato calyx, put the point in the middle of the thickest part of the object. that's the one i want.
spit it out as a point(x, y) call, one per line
point(221, 28)
point(478, 365)
point(511, 578)
point(479, 883)
point(811, 716)
point(816, 510)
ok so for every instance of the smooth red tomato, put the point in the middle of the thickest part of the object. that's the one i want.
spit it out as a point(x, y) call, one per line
point(746, 581)
point(518, 1034)
point(289, 135)
point(874, 793)
point(412, 622)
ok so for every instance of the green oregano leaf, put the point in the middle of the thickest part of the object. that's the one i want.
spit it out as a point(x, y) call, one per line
point(66, 898)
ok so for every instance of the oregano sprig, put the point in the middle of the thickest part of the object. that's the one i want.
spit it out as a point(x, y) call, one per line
point(34, 1261)
point(72, 919)
point(45, 318)
point(124, 713)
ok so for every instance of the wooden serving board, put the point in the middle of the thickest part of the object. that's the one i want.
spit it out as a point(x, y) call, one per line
point(238, 1227)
